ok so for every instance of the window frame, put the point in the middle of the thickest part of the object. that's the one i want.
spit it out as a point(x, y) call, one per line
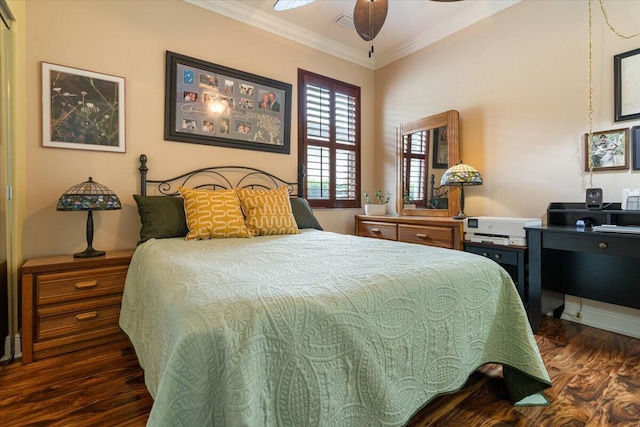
point(333, 86)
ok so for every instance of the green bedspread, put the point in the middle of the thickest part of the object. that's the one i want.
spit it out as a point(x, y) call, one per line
point(318, 329)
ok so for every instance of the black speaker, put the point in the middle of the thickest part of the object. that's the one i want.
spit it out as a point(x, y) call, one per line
point(594, 198)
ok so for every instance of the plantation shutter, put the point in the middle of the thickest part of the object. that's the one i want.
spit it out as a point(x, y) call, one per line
point(329, 138)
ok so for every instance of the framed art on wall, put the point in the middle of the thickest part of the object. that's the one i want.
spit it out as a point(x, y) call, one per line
point(210, 104)
point(607, 150)
point(82, 109)
point(626, 83)
point(635, 137)
point(440, 148)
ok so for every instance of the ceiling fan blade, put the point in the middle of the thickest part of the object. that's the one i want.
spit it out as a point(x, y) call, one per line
point(369, 16)
point(281, 5)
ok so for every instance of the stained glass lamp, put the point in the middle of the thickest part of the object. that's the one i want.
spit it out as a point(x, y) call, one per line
point(89, 196)
point(461, 175)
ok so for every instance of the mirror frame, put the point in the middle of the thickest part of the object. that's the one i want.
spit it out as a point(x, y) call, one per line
point(451, 119)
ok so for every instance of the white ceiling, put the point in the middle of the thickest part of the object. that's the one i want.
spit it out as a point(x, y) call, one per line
point(410, 25)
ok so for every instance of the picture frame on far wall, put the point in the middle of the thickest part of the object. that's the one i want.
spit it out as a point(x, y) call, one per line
point(607, 150)
point(626, 83)
point(82, 109)
point(635, 137)
point(440, 148)
point(211, 104)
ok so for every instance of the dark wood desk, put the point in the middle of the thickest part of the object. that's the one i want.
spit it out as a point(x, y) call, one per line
point(595, 265)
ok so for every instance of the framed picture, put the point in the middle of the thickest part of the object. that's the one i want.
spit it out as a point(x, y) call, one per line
point(607, 150)
point(440, 148)
point(211, 104)
point(635, 132)
point(82, 109)
point(626, 74)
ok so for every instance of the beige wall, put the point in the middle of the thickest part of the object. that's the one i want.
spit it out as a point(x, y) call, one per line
point(129, 39)
point(520, 82)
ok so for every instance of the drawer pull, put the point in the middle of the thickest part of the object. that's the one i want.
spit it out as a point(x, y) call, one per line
point(87, 316)
point(497, 256)
point(603, 245)
point(375, 230)
point(421, 235)
point(485, 254)
point(87, 284)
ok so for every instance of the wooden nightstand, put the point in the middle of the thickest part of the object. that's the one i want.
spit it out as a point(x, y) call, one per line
point(71, 303)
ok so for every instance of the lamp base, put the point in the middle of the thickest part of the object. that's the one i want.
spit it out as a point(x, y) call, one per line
point(461, 215)
point(88, 253)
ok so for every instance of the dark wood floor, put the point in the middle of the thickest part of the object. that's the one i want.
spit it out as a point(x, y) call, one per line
point(595, 374)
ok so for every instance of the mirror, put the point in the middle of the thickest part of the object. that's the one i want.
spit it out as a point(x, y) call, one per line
point(425, 149)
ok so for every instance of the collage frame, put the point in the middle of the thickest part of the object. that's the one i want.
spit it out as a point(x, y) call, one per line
point(211, 104)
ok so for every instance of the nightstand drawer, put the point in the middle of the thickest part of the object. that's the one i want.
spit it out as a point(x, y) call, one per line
point(500, 256)
point(68, 319)
point(379, 230)
point(76, 285)
point(426, 235)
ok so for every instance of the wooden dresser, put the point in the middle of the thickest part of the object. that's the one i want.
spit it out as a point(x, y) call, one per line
point(432, 231)
point(71, 303)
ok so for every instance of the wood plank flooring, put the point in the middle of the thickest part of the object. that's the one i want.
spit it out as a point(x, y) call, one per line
point(595, 374)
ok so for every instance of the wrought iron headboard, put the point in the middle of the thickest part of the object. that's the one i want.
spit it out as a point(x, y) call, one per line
point(214, 178)
point(438, 197)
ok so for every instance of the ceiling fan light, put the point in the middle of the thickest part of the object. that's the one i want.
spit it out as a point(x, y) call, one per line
point(369, 16)
point(281, 5)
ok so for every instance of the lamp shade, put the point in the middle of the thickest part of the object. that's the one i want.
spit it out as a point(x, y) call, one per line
point(461, 174)
point(88, 196)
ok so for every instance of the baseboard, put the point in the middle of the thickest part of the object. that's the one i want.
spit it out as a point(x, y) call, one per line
point(613, 318)
point(7, 348)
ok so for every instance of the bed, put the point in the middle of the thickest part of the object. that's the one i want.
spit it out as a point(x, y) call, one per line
point(313, 328)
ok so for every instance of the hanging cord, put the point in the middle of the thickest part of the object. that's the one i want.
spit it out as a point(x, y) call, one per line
point(370, 28)
point(590, 136)
point(613, 30)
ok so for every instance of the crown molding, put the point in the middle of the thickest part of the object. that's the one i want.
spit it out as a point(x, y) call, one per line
point(247, 15)
point(476, 13)
point(250, 16)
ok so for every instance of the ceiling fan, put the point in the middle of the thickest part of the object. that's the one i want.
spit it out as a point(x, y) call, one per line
point(368, 15)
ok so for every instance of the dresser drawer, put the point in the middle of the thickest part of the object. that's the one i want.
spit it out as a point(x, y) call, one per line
point(76, 285)
point(426, 235)
point(379, 230)
point(68, 319)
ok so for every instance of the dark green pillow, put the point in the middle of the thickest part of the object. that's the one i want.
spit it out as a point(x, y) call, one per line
point(303, 214)
point(162, 217)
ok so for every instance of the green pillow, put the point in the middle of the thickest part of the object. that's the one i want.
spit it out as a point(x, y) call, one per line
point(303, 214)
point(162, 217)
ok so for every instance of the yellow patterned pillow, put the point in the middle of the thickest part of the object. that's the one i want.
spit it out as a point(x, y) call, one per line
point(213, 214)
point(268, 212)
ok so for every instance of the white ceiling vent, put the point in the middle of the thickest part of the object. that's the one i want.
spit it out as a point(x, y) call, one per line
point(345, 20)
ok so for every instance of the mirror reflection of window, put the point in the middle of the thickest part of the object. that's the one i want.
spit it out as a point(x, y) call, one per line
point(416, 148)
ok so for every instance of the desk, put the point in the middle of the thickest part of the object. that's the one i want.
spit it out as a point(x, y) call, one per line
point(594, 265)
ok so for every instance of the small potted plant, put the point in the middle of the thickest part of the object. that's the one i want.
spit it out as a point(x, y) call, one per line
point(379, 208)
point(407, 201)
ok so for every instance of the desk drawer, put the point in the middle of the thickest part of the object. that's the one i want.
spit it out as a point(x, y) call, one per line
point(379, 230)
point(604, 245)
point(499, 256)
point(426, 235)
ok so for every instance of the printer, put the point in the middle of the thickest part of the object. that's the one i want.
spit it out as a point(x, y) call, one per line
point(498, 230)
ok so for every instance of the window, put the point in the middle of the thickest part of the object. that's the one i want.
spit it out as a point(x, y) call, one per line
point(329, 141)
